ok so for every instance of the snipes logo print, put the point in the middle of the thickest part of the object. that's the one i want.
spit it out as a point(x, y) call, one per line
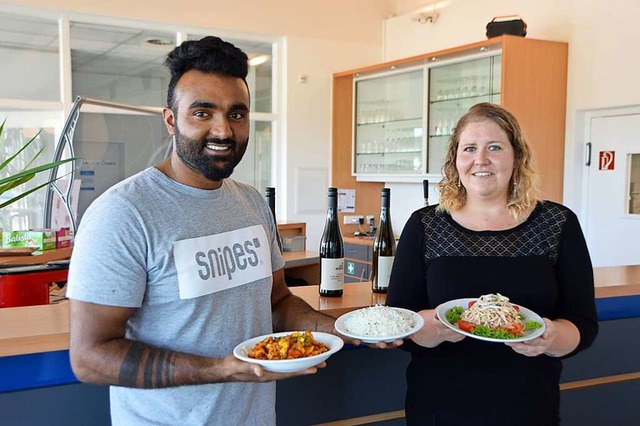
point(226, 260)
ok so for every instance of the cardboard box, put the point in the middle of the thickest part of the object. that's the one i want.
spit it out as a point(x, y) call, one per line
point(64, 238)
point(42, 240)
point(297, 243)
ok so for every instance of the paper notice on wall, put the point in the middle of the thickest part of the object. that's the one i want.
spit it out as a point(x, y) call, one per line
point(59, 213)
point(101, 165)
point(346, 200)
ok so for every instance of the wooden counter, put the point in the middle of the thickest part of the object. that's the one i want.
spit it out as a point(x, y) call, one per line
point(613, 281)
point(363, 241)
point(355, 296)
point(44, 328)
point(302, 265)
point(38, 257)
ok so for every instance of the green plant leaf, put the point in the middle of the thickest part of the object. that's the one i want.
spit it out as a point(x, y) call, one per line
point(33, 170)
point(24, 194)
point(8, 160)
point(27, 173)
point(16, 182)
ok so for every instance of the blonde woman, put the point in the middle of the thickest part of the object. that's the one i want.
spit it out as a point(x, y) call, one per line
point(492, 234)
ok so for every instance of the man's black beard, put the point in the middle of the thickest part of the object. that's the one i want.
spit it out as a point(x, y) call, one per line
point(190, 151)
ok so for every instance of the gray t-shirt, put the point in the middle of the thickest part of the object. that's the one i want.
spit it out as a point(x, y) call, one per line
point(197, 264)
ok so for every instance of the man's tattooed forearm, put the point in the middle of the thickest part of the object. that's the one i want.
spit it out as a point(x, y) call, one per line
point(156, 366)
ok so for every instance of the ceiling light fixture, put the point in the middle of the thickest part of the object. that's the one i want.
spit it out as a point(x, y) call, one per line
point(157, 41)
point(258, 60)
point(430, 12)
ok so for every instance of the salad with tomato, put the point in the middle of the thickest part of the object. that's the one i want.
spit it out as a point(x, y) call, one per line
point(492, 315)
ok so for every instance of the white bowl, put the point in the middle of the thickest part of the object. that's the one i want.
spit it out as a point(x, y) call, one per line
point(289, 365)
point(341, 327)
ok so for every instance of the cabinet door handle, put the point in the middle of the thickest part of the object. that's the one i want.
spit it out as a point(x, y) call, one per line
point(588, 161)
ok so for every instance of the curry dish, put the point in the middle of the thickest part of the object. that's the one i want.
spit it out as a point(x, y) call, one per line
point(295, 345)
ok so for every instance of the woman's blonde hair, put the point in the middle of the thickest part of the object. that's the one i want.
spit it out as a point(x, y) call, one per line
point(523, 195)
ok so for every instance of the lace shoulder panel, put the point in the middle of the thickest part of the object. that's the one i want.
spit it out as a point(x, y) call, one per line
point(538, 236)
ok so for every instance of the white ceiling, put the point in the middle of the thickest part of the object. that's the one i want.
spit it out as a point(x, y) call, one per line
point(101, 48)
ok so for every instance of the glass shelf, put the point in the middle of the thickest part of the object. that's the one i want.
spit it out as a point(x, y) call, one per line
point(399, 121)
point(474, 98)
point(383, 153)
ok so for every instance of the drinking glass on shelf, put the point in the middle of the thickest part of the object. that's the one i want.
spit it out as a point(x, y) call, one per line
point(465, 87)
point(474, 86)
point(373, 146)
point(483, 90)
point(360, 145)
point(439, 124)
point(363, 117)
point(456, 92)
point(417, 163)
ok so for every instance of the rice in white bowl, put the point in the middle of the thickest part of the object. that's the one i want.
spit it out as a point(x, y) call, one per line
point(378, 321)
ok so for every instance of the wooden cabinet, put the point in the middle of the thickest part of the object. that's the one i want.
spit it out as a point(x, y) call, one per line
point(526, 76)
point(292, 229)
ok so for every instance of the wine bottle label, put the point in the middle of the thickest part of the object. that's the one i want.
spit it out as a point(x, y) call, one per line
point(331, 274)
point(384, 270)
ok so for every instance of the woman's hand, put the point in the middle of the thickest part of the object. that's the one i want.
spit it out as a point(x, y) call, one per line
point(560, 337)
point(434, 332)
point(539, 345)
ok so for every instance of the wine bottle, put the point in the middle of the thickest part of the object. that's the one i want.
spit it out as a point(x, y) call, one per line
point(384, 246)
point(425, 191)
point(270, 196)
point(332, 251)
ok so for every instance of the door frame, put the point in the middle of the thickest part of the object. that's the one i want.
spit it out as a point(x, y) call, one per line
point(584, 119)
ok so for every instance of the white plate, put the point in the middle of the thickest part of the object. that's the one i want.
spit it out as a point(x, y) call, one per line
point(418, 322)
point(528, 314)
point(289, 365)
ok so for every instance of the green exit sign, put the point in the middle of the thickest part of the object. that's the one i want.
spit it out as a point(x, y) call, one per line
point(351, 268)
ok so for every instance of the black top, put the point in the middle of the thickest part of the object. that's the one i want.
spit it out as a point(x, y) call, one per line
point(542, 264)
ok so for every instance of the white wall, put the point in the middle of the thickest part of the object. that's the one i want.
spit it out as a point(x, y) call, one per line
point(308, 126)
point(603, 42)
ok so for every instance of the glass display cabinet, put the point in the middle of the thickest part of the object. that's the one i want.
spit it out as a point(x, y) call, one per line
point(453, 89)
point(388, 134)
point(397, 134)
point(391, 122)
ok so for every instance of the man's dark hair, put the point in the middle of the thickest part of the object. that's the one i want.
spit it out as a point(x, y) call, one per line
point(210, 55)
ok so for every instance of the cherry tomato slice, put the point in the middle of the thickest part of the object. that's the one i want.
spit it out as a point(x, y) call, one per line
point(514, 328)
point(466, 326)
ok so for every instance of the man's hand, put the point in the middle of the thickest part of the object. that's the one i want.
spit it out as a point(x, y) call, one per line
point(240, 371)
